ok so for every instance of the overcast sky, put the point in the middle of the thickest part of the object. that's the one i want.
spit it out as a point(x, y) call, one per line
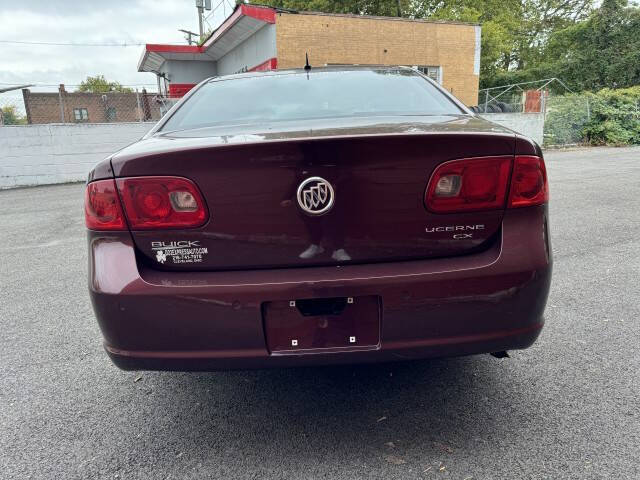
point(87, 21)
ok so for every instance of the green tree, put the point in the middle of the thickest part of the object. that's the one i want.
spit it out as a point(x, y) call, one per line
point(389, 8)
point(10, 116)
point(499, 18)
point(501, 21)
point(603, 51)
point(99, 84)
point(514, 32)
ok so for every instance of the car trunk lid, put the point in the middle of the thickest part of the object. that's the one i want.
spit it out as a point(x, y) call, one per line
point(378, 173)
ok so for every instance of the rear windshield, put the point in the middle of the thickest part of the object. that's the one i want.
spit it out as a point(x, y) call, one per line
point(319, 94)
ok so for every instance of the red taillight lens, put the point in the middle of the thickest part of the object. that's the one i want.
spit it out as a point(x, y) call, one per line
point(529, 184)
point(102, 209)
point(162, 202)
point(469, 184)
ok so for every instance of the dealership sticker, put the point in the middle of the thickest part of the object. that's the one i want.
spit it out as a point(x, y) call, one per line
point(182, 251)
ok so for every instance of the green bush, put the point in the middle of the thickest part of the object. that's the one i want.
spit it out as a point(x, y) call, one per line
point(566, 118)
point(608, 117)
point(615, 117)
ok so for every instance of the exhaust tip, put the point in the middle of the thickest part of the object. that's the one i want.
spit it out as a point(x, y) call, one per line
point(501, 354)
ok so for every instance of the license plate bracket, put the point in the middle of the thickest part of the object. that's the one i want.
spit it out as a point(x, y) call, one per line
point(292, 326)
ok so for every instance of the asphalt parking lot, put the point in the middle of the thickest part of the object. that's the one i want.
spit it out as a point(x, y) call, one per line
point(566, 408)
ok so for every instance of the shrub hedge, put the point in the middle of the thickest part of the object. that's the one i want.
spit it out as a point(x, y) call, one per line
point(607, 117)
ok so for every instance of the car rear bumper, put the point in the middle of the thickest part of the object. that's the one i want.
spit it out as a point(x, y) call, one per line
point(479, 303)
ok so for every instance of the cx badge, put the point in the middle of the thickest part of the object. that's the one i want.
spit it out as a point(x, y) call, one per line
point(315, 196)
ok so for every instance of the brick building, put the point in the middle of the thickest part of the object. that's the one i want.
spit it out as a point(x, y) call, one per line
point(264, 38)
point(82, 107)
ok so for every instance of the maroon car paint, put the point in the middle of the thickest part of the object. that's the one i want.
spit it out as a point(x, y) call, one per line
point(434, 295)
point(379, 172)
point(487, 301)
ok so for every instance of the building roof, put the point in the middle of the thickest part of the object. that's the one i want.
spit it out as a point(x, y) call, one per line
point(244, 22)
point(377, 17)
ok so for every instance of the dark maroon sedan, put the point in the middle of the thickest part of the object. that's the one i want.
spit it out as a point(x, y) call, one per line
point(336, 215)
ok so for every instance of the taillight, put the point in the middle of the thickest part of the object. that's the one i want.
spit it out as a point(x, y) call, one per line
point(469, 184)
point(162, 202)
point(473, 184)
point(529, 185)
point(102, 209)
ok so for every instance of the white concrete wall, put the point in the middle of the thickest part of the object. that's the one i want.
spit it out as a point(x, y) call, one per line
point(256, 49)
point(56, 153)
point(529, 124)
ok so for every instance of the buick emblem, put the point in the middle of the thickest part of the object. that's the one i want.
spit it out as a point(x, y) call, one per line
point(315, 196)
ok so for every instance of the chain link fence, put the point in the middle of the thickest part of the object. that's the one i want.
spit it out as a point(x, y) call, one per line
point(612, 117)
point(33, 107)
point(562, 115)
point(511, 102)
point(606, 117)
point(12, 108)
point(566, 117)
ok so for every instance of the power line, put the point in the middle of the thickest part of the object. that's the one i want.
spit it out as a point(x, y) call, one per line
point(221, 3)
point(60, 44)
point(78, 84)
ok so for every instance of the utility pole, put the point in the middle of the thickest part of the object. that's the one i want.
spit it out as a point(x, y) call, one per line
point(201, 6)
point(188, 36)
point(399, 9)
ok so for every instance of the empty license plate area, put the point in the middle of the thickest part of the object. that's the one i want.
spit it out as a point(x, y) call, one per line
point(322, 323)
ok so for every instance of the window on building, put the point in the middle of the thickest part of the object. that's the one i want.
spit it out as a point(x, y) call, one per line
point(432, 72)
point(81, 114)
point(111, 114)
